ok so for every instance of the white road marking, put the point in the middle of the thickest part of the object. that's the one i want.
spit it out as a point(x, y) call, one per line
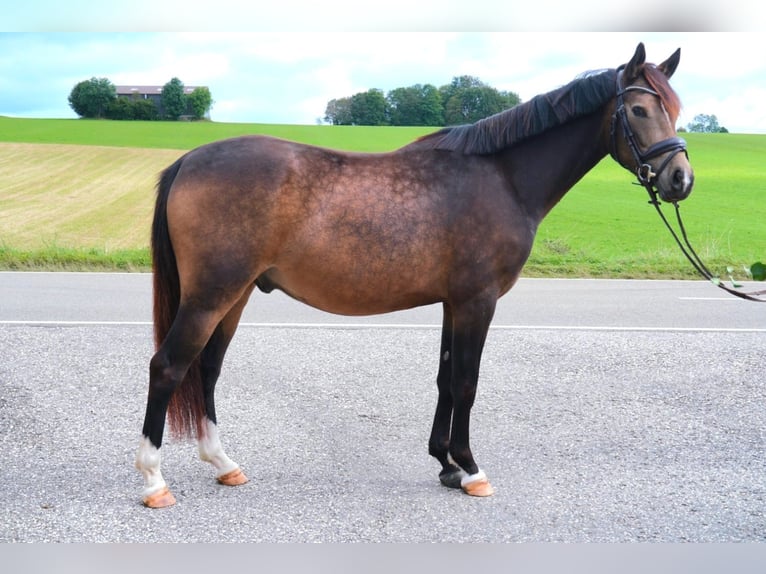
point(401, 326)
point(46, 323)
point(735, 299)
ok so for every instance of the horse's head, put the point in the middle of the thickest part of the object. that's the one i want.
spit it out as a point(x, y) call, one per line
point(643, 134)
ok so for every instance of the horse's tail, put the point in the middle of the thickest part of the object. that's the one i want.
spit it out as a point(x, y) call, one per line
point(186, 410)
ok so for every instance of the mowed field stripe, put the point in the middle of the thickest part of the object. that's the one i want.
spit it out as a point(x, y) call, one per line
point(76, 195)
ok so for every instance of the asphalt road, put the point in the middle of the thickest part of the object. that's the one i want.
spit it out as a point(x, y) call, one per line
point(609, 411)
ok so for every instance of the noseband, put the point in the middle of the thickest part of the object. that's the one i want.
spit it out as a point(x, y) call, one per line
point(644, 170)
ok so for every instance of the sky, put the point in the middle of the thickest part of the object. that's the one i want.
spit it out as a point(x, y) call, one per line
point(289, 75)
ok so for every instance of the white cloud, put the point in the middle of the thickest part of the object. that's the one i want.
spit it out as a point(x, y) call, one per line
point(739, 112)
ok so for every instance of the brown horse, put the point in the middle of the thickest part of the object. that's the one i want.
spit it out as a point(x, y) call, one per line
point(449, 218)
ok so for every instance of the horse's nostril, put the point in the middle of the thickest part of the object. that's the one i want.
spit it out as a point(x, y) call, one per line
point(678, 180)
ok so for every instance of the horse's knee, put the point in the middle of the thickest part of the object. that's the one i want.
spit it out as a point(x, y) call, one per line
point(163, 376)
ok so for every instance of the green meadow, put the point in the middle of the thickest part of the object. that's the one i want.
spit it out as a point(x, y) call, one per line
point(188, 135)
point(78, 194)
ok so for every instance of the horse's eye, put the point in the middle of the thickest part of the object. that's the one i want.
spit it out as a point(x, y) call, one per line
point(639, 112)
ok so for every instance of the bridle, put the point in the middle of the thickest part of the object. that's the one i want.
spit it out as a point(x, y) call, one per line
point(647, 178)
point(644, 170)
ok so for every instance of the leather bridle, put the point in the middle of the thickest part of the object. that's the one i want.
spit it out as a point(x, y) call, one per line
point(647, 178)
point(644, 170)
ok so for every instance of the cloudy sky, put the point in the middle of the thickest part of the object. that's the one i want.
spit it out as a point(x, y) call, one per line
point(288, 77)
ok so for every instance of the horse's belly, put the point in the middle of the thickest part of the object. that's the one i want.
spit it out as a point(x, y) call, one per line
point(346, 295)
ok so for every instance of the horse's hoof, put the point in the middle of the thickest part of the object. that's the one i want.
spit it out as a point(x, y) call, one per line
point(477, 485)
point(479, 488)
point(233, 478)
point(452, 478)
point(160, 499)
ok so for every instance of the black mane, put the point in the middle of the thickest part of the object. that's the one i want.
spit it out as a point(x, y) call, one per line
point(580, 97)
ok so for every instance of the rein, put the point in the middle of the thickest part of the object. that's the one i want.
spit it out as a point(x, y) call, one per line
point(647, 177)
point(689, 252)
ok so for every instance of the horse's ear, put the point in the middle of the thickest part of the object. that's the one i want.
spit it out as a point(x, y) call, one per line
point(669, 66)
point(632, 68)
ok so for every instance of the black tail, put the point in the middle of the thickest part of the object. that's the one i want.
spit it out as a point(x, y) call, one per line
point(186, 411)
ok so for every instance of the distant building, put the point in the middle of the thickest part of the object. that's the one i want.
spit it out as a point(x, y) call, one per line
point(153, 93)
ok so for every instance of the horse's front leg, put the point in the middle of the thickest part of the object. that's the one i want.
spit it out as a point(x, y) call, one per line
point(470, 325)
point(438, 445)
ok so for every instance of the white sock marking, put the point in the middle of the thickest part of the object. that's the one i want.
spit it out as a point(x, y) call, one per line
point(211, 450)
point(148, 462)
point(469, 478)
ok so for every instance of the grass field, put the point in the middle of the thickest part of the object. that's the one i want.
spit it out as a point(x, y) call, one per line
point(78, 194)
point(188, 135)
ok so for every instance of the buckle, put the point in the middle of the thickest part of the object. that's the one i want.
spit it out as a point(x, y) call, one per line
point(645, 173)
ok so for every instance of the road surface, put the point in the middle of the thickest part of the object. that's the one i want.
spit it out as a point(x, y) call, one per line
point(608, 411)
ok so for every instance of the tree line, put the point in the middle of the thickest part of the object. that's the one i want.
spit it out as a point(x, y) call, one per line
point(705, 123)
point(97, 98)
point(464, 100)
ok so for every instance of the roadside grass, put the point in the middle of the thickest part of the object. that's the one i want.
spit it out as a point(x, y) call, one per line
point(56, 258)
point(78, 205)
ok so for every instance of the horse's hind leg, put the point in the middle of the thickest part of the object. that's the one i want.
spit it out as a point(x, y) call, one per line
point(187, 337)
point(210, 449)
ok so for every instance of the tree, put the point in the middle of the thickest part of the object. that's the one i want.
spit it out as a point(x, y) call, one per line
point(467, 99)
point(120, 109)
point(704, 123)
point(338, 112)
point(418, 105)
point(173, 99)
point(91, 98)
point(144, 109)
point(131, 108)
point(200, 102)
point(369, 108)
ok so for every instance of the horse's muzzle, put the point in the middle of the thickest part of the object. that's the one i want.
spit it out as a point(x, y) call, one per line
point(676, 183)
point(674, 178)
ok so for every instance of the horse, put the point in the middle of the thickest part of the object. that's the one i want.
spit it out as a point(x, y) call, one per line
point(449, 218)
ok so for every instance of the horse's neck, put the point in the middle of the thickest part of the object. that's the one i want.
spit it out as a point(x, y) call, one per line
point(544, 168)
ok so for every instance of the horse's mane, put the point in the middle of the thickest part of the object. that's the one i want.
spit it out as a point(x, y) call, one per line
point(658, 81)
point(582, 96)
